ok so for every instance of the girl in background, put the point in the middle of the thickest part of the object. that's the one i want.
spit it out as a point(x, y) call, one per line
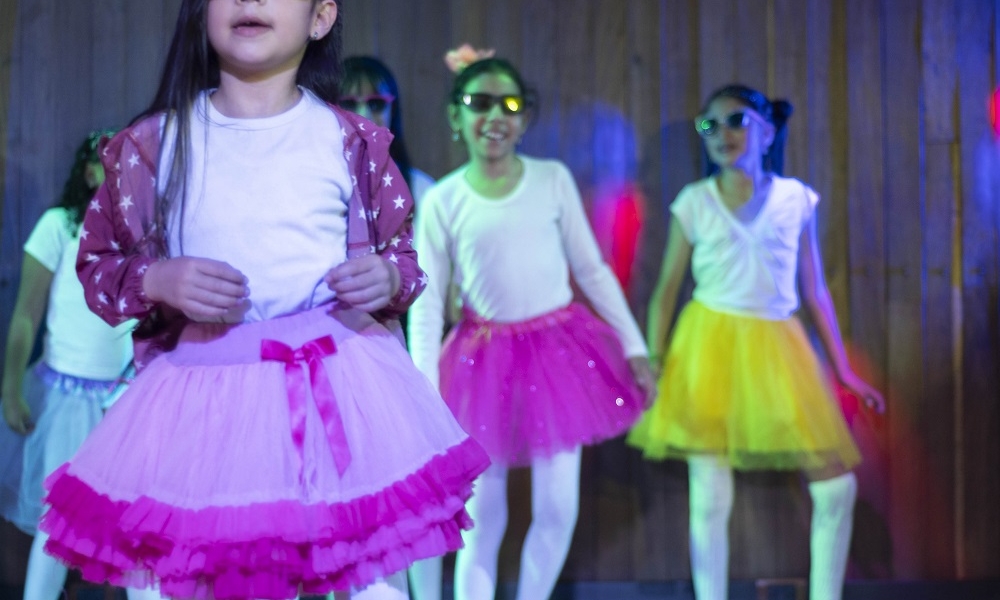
point(261, 236)
point(57, 402)
point(530, 374)
point(370, 90)
point(741, 387)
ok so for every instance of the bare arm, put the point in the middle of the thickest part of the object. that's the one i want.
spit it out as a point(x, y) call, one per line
point(664, 299)
point(817, 300)
point(32, 296)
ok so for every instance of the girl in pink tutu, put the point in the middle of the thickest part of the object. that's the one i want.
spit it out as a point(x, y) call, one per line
point(277, 439)
point(530, 374)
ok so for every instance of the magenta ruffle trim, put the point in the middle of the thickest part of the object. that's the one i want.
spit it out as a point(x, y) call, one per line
point(274, 550)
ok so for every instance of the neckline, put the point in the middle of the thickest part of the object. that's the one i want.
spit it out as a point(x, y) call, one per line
point(716, 195)
point(514, 191)
point(212, 116)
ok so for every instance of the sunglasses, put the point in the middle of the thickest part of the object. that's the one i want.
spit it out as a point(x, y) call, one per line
point(484, 103)
point(707, 127)
point(376, 103)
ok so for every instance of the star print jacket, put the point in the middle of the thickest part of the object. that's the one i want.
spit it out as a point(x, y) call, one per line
point(122, 234)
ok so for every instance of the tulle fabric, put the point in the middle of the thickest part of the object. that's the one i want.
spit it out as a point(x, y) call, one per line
point(534, 388)
point(73, 408)
point(746, 388)
point(12, 453)
point(194, 481)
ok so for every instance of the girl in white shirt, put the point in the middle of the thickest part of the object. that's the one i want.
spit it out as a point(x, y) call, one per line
point(741, 386)
point(529, 374)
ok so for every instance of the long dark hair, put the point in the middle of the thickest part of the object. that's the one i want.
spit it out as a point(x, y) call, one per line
point(775, 112)
point(494, 66)
point(358, 69)
point(192, 66)
point(76, 192)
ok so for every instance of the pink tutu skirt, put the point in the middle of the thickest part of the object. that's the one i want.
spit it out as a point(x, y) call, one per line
point(302, 454)
point(533, 388)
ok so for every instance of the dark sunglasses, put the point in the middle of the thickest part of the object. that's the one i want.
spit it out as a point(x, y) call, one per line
point(737, 120)
point(375, 102)
point(484, 103)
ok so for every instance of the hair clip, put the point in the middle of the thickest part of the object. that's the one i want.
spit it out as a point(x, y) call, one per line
point(463, 56)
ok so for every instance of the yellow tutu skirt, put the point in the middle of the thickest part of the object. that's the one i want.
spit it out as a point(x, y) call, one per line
point(749, 389)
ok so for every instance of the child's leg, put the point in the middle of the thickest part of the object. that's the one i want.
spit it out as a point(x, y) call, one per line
point(830, 536)
point(476, 564)
point(425, 579)
point(46, 575)
point(392, 587)
point(711, 501)
point(555, 503)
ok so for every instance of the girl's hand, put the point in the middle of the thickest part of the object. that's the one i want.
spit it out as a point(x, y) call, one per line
point(644, 377)
point(869, 395)
point(17, 414)
point(367, 283)
point(203, 289)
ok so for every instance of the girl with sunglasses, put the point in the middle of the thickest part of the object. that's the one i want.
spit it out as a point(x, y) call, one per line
point(52, 406)
point(741, 387)
point(370, 90)
point(530, 374)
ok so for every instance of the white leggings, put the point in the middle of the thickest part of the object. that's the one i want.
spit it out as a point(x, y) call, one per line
point(392, 587)
point(555, 501)
point(711, 502)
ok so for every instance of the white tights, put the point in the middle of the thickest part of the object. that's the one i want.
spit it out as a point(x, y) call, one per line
point(555, 500)
point(711, 500)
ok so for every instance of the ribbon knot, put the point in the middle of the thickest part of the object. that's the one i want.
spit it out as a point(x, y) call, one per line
point(311, 353)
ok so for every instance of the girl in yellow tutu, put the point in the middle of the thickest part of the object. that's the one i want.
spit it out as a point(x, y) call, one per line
point(741, 388)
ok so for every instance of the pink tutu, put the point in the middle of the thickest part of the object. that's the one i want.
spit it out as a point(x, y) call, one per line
point(326, 464)
point(533, 388)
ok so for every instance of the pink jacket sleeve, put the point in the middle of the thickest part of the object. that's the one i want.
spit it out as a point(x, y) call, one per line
point(113, 258)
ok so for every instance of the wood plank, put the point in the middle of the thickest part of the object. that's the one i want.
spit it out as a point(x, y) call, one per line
point(540, 68)
point(939, 381)
point(361, 31)
point(107, 69)
point(981, 347)
point(864, 227)
point(940, 77)
point(718, 45)
point(9, 203)
point(789, 79)
point(145, 48)
point(904, 200)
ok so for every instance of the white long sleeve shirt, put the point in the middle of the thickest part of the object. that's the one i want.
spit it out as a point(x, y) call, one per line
point(511, 257)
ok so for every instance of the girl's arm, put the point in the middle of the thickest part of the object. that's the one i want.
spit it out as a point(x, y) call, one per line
point(598, 282)
point(426, 319)
point(817, 300)
point(663, 302)
point(387, 282)
point(32, 296)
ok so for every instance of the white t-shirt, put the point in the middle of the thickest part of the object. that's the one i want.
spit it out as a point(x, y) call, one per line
point(283, 226)
point(510, 257)
point(746, 268)
point(77, 342)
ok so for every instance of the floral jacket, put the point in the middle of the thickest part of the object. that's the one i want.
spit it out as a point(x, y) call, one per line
point(122, 234)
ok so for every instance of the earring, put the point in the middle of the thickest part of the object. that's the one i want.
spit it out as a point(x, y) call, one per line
point(454, 135)
point(314, 36)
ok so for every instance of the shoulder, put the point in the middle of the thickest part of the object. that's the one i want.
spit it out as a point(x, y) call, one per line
point(357, 129)
point(142, 138)
point(694, 192)
point(54, 223)
point(550, 168)
point(793, 190)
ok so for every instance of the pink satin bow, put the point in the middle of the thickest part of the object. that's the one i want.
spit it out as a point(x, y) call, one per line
point(312, 354)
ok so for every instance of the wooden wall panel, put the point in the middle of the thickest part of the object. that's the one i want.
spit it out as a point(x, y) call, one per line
point(888, 128)
point(981, 349)
point(938, 39)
